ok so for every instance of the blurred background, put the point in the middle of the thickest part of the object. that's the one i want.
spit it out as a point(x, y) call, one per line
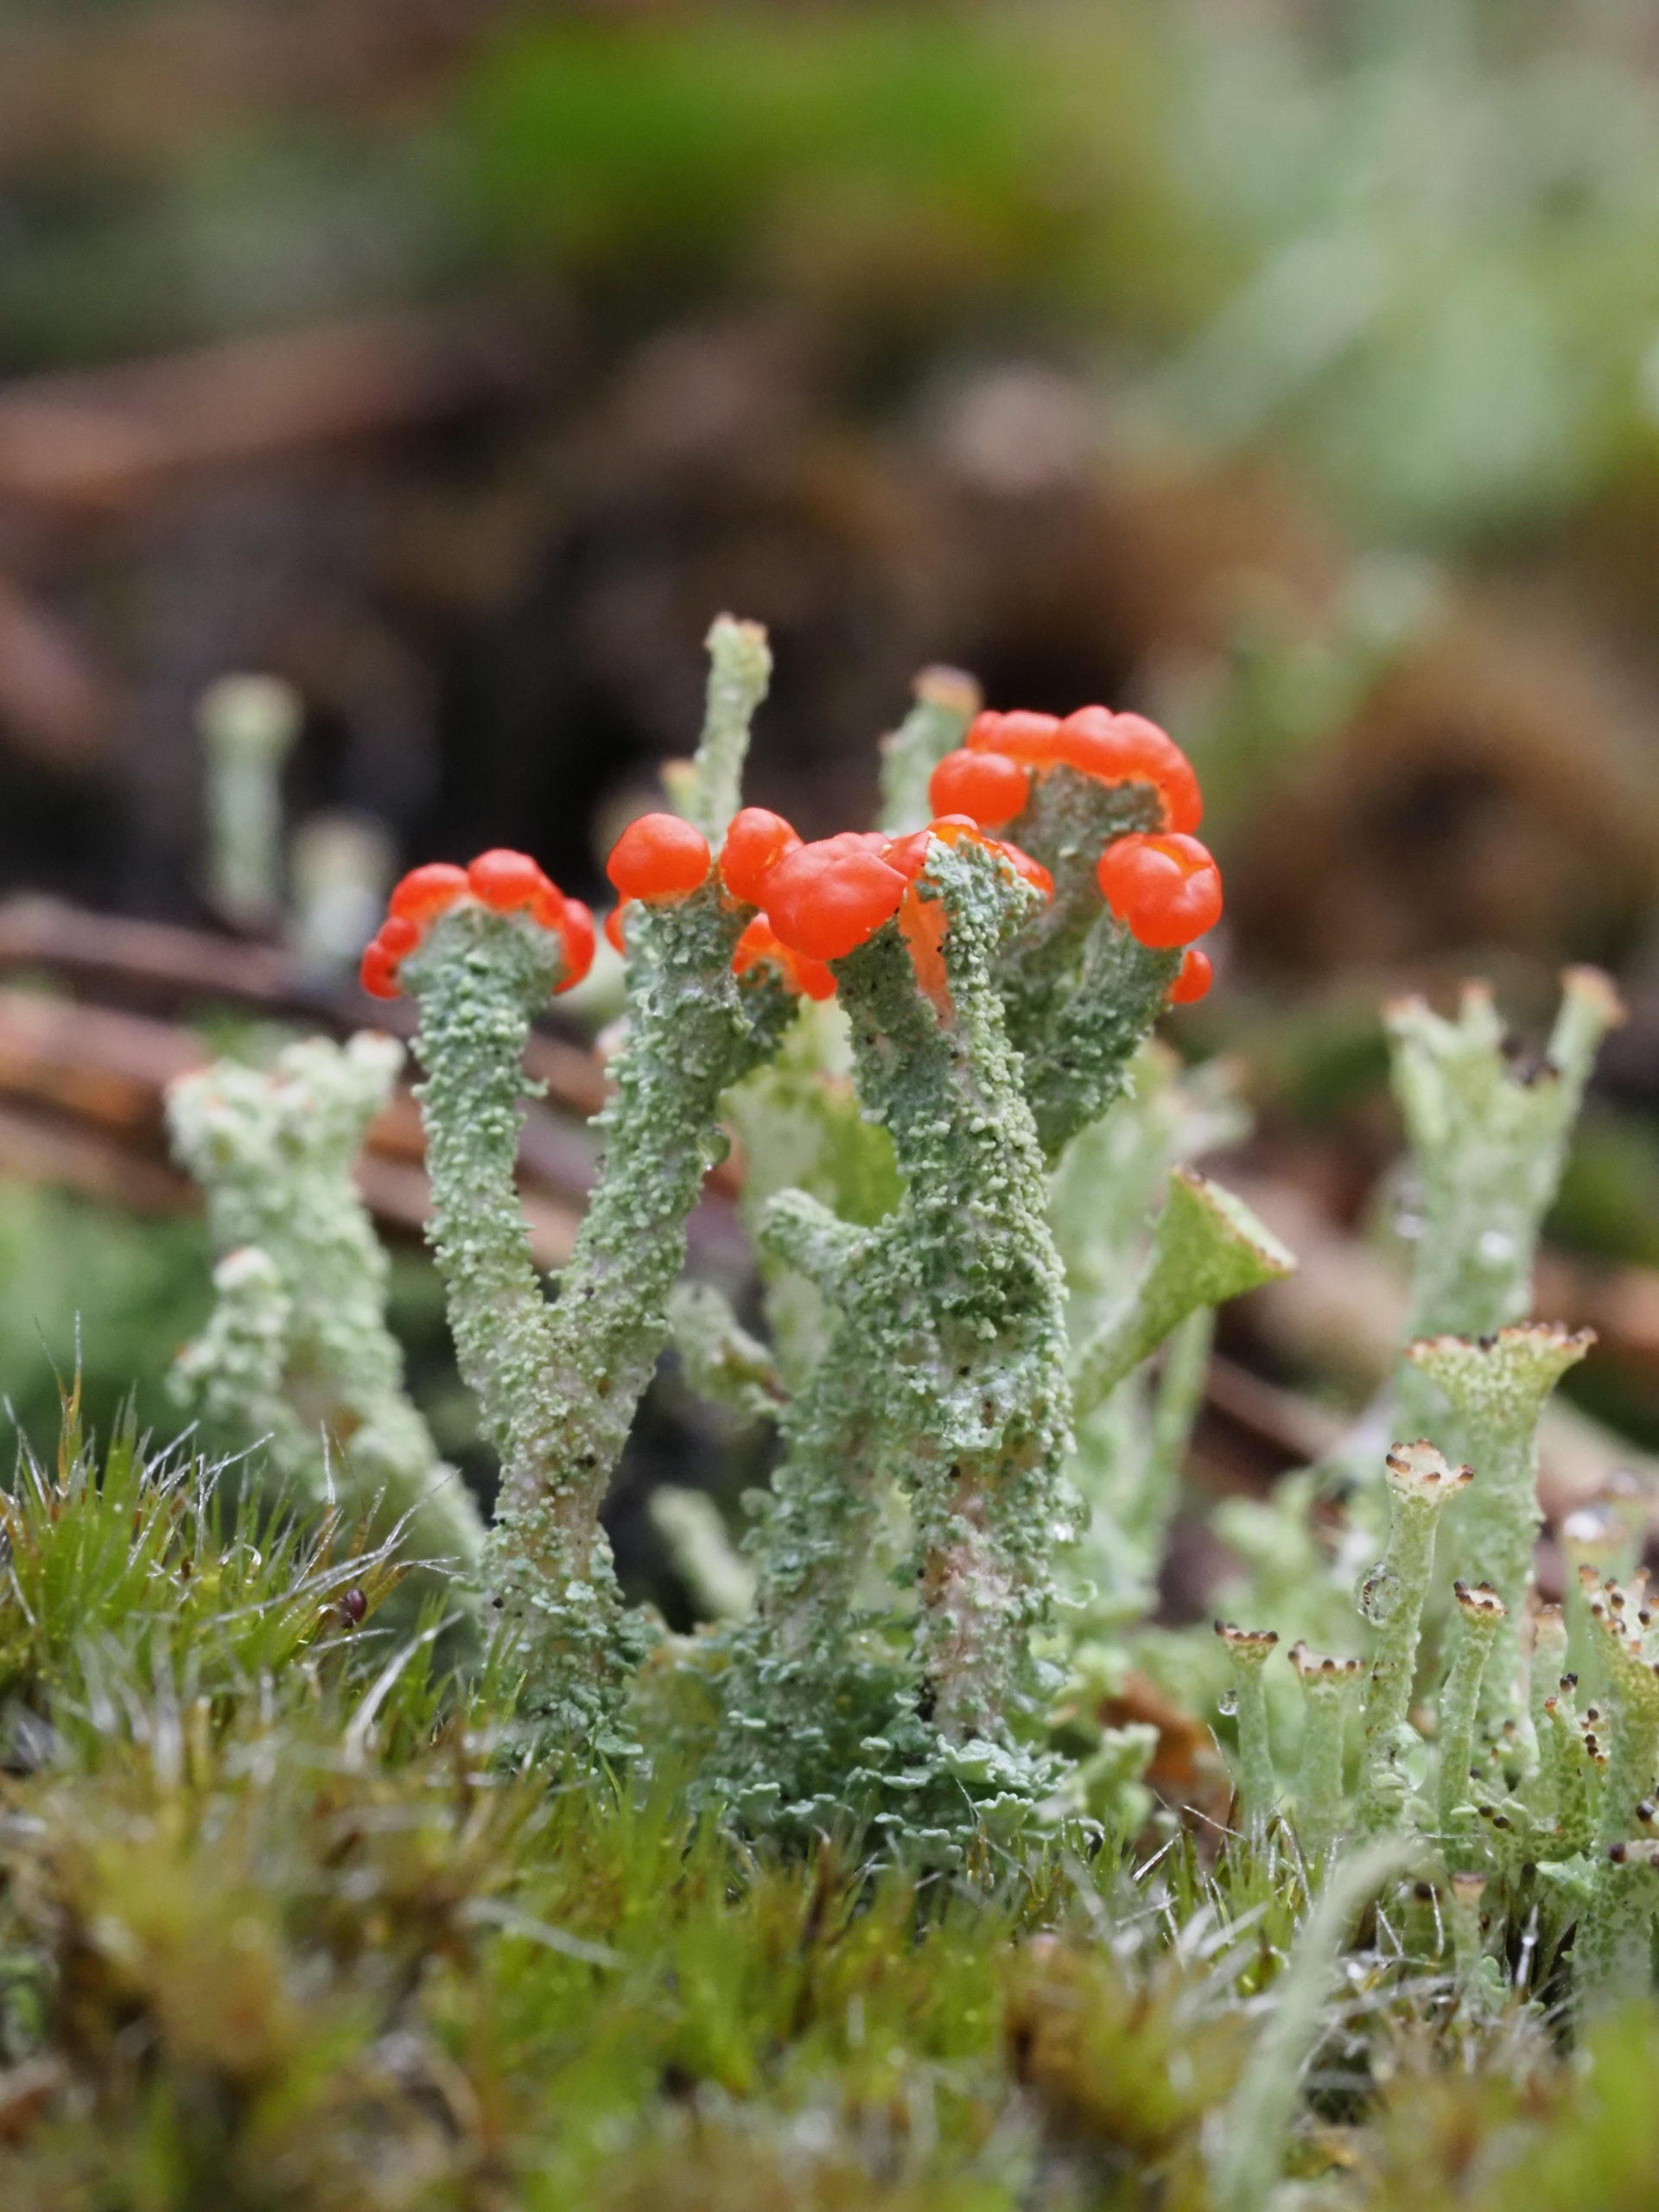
point(1285, 369)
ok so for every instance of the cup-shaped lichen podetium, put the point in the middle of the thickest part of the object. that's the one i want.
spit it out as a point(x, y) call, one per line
point(1391, 1596)
point(1328, 1685)
point(1248, 1652)
point(1498, 1386)
point(1483, 1617)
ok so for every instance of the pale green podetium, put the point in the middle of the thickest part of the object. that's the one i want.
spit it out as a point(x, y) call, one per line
point(1081, 991)
point(1391, 1597)
point(1613, 1949)
point(297, 1353)
point(1499, 1387)
point(1249, 1651)
point(248, 725)
point(1207, 1248)
point(945, 1375)
point(1328, 1687)
point(947, 700)
point(1488, 1134)
point(558, 1383)
point(1482, 1615)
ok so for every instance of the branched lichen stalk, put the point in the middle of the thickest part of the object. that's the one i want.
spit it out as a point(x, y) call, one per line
point(946, 1372)
point(297, 1350)
point(1392, 1596)
point(558, 1384)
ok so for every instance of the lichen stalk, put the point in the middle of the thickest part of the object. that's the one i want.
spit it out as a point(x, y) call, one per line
point(1392, 1596)
point(1618, 1619)
point(1248, 1653)
point(1499, 1387)
point(558, 1384)
point(708, 788)
point(946, 701)
point(1328, 1685)
point(1081, 991)
point(945, 1375)
point(297, 1353)
point(1612, 1949)
point(1488, 1133)
point(1207, 1248)
point(1482, 1614)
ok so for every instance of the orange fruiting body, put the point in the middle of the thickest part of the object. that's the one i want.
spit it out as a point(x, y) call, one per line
point(824, 898)
point(576, 928)
point(506, 881)
point(1166, 889)
point(377, 972)
point(658, 856)
point(989, 786)
point(426, 893)
point(1112, 748)
point(807, 977)
point(756, 841)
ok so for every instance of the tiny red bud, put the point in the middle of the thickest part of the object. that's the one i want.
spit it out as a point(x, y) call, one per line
point(1195, 976)
point(377, 972)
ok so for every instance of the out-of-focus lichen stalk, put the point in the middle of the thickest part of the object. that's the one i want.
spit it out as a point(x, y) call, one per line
point(1620, 1619)
point(248, 726)
point(1483, 1615)
point(298, 1348)
point(946, 702)
point(707, 790)
point(1249, 1651)
point(1498, 1386)
point(1327, 1691)
point(1612, 1951)
point(1392, 1596)
point(1488, 1133)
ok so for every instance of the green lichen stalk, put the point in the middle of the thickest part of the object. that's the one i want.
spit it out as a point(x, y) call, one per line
point(558, 1384)
point(1488, 1134)
point(1498, 1386)
point(1249, 1651)
point(1327, 1693)
point(297, 1351)
point(1482, 1615)
point(1392, 1596)
point(1082, 991)
point(945, 1375)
